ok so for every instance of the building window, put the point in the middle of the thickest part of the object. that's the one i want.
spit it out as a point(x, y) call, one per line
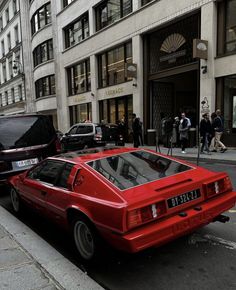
point(10, 67)
point(6, 97)
point(1, 24)
point(45, 86)
point(77, 31)
point(43, 52)
point(20, 92)
point(12, 95)
point(144, 2)
point(7, 15)
point(41, 18)
point(14, 5)
point(111, 10)
point(3, 48)
point(80, 113)
point(16, 34)
point(67, 2)
point(79, 79)
point(111, 65)
point(9, 41)
point(0, 100)
point(226, 27)
point(4, 71)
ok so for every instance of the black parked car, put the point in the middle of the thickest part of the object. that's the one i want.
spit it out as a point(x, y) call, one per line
point(24, 141)
point(89, 135)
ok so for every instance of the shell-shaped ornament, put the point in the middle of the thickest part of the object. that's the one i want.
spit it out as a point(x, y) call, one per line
point(172, 43)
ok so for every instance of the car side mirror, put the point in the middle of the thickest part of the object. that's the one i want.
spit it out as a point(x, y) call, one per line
point(67, 134)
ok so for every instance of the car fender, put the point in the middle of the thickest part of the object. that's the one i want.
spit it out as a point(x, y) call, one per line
point(74, 209)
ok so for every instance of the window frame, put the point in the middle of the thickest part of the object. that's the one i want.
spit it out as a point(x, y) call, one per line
point(39, 86)
point(35, 26)
point(38, 55)
point(83, 20)
point(104, 5)
point(101, 80)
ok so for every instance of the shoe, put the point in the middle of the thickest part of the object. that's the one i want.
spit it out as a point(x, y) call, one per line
point(183, 152)
point(214, 150)
point(223, 150)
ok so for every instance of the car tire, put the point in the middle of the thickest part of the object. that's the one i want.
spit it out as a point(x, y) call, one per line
point(15, 200)
point(85, 238)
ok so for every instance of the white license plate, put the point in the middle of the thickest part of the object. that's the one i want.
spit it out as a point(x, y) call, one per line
point(23, 163)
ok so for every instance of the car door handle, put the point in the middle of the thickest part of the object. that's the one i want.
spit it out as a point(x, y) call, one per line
point(43, 193)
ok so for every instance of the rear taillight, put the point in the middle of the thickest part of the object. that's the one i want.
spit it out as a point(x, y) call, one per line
point(4, 166)
point(145, 214)
point(218, 186)
point(98, 137)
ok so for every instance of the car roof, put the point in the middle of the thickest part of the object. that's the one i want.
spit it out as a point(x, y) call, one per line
point(93, 153)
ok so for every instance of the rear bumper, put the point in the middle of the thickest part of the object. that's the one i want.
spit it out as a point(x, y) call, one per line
point(163, 231)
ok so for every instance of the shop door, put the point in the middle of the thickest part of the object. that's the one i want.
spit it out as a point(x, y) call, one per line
point(162, 103)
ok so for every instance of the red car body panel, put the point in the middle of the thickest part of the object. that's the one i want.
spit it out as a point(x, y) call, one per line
point(108, 207)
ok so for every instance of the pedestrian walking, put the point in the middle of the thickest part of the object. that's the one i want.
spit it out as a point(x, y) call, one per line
point(140, 132)
point(205, 132)
point(136, 130)
point(175, 132)
point(218, 126)
point(184, 127)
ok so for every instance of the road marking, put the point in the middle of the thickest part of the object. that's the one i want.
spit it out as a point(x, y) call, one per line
point(215, 241)
point(227, 244)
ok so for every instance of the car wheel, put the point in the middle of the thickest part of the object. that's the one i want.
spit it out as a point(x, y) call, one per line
point(85, 238)
point(15, 200)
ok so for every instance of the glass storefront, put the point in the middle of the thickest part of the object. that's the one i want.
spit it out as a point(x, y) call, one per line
point(230, 103)
point(116, 110)
point(80, 113)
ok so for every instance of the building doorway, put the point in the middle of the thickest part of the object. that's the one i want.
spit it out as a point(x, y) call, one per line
point(172, 95)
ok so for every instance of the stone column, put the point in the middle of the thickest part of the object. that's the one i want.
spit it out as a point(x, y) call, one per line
point(94, 81)
point(207, 80)
point(137, 45)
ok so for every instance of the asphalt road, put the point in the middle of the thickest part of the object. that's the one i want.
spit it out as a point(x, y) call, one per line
point(203, 260)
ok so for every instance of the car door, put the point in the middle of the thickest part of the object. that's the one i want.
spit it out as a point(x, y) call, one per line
point(71, 139)
point(39, 182)
point(58, 197)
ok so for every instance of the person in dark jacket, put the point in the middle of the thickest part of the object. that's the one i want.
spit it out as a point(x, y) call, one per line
point(218, 126)
point(205, 132)
point(136, 130)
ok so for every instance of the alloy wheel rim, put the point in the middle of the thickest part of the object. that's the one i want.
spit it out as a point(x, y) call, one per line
point(84, 240)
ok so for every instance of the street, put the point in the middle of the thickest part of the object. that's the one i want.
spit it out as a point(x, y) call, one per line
point(205, 259)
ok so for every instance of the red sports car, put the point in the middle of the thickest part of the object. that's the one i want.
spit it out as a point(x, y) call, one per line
point(132, 198)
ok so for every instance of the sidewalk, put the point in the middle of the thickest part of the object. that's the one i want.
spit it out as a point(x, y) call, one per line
point(27, 262)
point(228, 157)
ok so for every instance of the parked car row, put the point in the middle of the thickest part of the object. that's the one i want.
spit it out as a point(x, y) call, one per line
point(89, 135)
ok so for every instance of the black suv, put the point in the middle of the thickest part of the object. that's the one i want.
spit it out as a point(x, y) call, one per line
point(89, 135)
point(24, 141)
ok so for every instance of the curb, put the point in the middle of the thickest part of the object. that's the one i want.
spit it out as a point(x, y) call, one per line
point(64, 274)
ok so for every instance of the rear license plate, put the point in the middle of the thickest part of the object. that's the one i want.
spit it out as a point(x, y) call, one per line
point(183, 198)
point(27, 162)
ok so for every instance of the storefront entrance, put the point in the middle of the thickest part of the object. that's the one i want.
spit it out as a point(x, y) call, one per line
point(172, 95)
point(117, 109)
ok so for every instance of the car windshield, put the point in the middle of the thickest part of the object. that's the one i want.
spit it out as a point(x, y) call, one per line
point(24, 131)
point(136, 168)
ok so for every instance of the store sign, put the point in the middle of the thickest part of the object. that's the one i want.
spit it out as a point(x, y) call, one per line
point(200, 48)
point(171, 46)
point(113, 92)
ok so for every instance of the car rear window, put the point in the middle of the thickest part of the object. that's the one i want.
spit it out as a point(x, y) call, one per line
point(136, 168)
point(24, 131)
